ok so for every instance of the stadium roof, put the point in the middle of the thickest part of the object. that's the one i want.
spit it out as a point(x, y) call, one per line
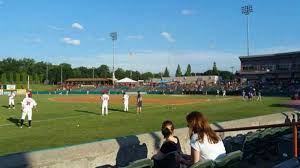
point(87, 79)
point(294, 53)
point(126, 80)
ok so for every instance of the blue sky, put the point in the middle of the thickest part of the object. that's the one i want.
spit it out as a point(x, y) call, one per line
point(151, 34)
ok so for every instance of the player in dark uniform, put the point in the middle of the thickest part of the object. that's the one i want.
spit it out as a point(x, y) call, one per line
point(139, 103)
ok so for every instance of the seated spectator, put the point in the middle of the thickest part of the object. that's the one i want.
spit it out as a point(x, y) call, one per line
point(170, 146)
point(205, 143)
point(171, 143)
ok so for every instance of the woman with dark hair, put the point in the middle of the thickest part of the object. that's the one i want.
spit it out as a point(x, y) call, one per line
point(172, 142)
point(205, 143)
point(170, 148)
point(139, 103)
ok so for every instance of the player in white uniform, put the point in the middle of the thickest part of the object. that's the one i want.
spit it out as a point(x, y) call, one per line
point(27, 105)
point(259, 96)
point(11, 100)
point(105, 99)
point(224, 93)
point(125, 101)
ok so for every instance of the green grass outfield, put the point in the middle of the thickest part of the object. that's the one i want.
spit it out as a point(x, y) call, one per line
point(55, 124)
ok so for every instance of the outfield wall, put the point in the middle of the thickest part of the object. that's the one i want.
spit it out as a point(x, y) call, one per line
point(119, 151)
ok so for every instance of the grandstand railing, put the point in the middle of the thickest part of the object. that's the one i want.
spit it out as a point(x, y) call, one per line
point(293, 124)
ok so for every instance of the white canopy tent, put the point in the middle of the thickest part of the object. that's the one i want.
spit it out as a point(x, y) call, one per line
point(126, 80)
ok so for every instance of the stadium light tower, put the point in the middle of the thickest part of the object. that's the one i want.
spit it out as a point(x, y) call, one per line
point(93, 72)
point(61, 76)
point(247, 10)
point(114, 37)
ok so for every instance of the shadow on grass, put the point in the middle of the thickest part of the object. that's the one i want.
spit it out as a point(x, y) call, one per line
point(89, 112)
point(14, 120)
point(120, 111)
point(5, 106)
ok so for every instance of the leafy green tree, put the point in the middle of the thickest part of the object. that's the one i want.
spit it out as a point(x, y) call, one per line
point(120, 73)
point(166, 73)
point(147, 75)
point(37, 79)
point(24, 77)
point(188, 70)
point(67, 71)
point(3, 78)
point(136, 75)
point(226, 75)
point(18, 77)
point(215, 69)
point(178, 71)
point(11, 77)
point(103, 71)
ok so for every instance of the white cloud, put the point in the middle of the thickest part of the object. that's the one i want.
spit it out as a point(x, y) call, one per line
point(77, 26)
point(71, 41)
point(187, 12)
point(135, 37)
point(54, 28)
point(168, 37)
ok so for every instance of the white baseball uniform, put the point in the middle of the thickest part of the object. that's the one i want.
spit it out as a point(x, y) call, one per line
point(11, 98)
point(27, 106)
point(126, 101)
point(105, 99)
point(224, 92)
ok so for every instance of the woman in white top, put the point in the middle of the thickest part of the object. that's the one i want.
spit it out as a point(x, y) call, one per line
point(205, 143)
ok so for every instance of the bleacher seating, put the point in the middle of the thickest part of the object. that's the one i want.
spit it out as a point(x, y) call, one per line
point(203, 164)
point(291, 163)
point(231, 160)
point(142, 163)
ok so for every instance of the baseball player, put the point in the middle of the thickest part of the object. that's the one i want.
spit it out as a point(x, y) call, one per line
point(125, 101)
point(11, 100)
point(218, 92)
point(139, 103)
point(27, 105)
point(28, 93)
point(105, 99)
point(244, 95)
point(259, 96)
point(224, 93)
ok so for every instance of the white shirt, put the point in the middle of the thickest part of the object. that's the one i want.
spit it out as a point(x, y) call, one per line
point(105, 99)
point(208, 151)
point(28, 103)
point(11, 95)
point(126, 98)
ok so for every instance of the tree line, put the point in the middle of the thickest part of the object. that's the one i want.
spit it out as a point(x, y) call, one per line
point(16, 71)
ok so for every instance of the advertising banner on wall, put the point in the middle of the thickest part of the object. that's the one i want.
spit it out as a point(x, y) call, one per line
point(10, 87)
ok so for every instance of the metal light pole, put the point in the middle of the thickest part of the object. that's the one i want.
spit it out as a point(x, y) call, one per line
point(93, 72)
point(114, 37)
point(47, 72)
point(247, 10)
point(232, 67)
point(61, 76)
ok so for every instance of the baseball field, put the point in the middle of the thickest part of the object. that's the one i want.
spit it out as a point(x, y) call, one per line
point(66, 120)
